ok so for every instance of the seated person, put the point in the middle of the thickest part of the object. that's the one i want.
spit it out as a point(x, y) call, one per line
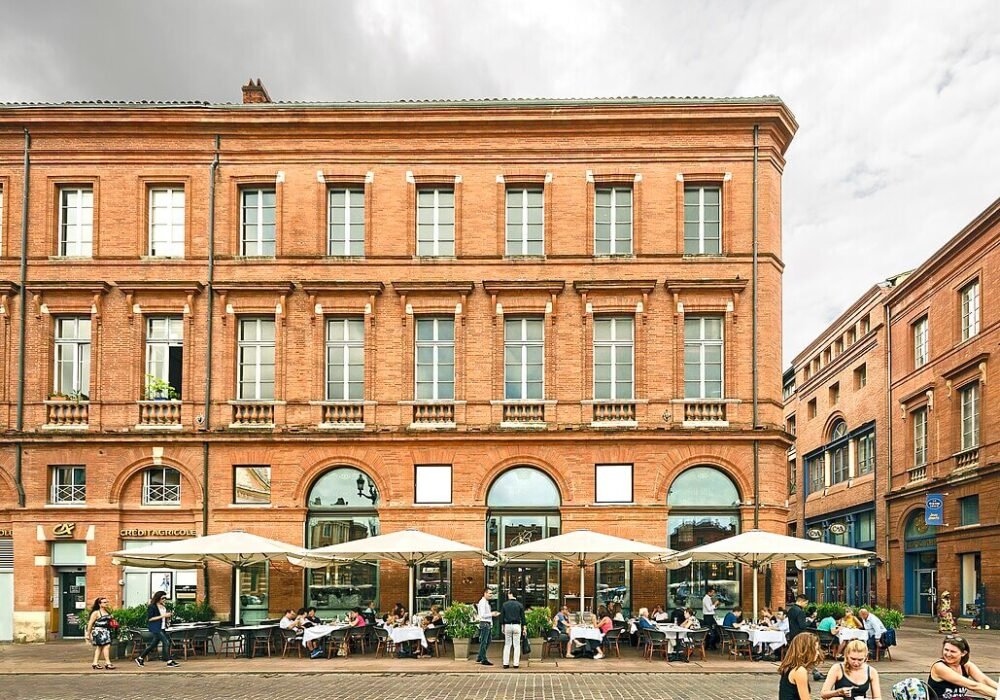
point(369, 613)
point(811, 616)
point(561, 624)
point(690, 621)
point(850, 620)
point(734, 618)
point(765, 618)
point(955, 676)
point(830, 623)
point(356, 619)
point(780, 621)
point(433, 617)
point(659, 614)
point(592, 648)
point(616, 612)
point(310, 618)
point(291, 621)
point(644, 623)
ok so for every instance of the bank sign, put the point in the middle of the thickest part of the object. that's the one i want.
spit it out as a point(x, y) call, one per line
point(934, 509)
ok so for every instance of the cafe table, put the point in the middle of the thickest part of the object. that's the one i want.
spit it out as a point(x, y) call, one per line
point(250, 633)
point(319, 631)
point(408, 633)
point(846, 634)
point(774, 638)
point(673, 632)
point(580, 632)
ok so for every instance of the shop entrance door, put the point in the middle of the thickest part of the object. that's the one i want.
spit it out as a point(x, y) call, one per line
point(926, 591)
point(527, 581)
point(72, 603)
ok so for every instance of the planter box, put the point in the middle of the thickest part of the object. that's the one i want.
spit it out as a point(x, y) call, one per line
point(536, 647)
point(461, 649)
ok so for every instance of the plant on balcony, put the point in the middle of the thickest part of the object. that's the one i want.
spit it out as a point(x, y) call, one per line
point(77, 396)
point(57, 396)
point(158, 389)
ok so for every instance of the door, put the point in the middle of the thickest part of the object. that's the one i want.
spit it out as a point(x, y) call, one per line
point(926, 592)
point(6, 606)
point(528, 581)
point(73, 603)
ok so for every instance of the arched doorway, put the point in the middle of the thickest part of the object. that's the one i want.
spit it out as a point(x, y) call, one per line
point(703, 507)
point(920, 583)
point(343, 506)
point(523, 506)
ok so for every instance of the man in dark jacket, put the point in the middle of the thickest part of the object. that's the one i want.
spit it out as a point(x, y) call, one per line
point(512, 622)
point(797, 617)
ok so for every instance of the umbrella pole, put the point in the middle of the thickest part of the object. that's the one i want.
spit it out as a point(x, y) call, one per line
point(583, 568)
point(236, 600)
point(411, 567)
point(755, 593)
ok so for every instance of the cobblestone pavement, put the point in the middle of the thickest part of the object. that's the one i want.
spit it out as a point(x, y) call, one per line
point(442, 686)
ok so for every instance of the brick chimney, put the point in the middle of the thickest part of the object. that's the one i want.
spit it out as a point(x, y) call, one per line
point(255, 93)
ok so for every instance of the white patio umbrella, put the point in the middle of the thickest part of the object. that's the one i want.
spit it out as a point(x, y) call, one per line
point(582, 548)
point(757, 548)
point(409, 547)
point(237, 548)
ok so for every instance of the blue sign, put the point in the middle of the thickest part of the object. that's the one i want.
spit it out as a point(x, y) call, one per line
point(934, 509)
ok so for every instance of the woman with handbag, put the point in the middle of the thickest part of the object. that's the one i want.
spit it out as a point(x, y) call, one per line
point(100, 629)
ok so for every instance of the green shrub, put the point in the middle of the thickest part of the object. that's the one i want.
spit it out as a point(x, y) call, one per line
point(461, 619)
point(129, 618)
point(893, 619)
point(193, 612)
point(830, 610)
point(539, 621)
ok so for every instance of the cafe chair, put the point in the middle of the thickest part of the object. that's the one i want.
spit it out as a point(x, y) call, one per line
point(882, 647)
point(357, 639)
point(655, 641)
point(201, 638)
point(696, 642)
point(828, 642)
point(611, 640)
point(552, 639)
point(433, 637)
point(384, 645)
point(261, 639)
point(335, 641)
point(230, 641)
point(741, 644)
point(181, 641)
point(290, 640)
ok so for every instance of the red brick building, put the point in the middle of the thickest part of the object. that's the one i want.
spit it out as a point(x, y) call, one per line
point(491, 320)
point(944, 330)
point(835, 405)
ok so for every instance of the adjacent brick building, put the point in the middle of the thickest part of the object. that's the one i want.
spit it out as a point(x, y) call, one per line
point(492, 320)
point(944, 330)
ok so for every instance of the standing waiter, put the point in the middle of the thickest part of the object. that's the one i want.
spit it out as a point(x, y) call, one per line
point(708, 617)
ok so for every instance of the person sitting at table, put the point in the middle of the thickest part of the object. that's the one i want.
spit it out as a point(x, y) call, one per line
point(290, 620)
point(310, 618)
point(853, 678)
point(370, 612)
point(765, 617)
point(659, 614)
point(733, 618)
point(781, 621)
point(592, 648)
point(355, 618)
point(954, 675)
point(874, 627)
point(850, 620)
point(644, 623)
point(811, 615)
point(561, 624)
point(830, 623)
point(616, 612)
point(690, 621)
point(433, 617)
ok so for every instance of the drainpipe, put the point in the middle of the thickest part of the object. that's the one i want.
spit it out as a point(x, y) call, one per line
point(22, 308)
point(888, 462)
point(756, 417)
point(209, 299)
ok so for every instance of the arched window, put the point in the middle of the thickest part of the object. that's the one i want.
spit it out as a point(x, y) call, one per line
point(342, 507)
point(704, 507)
point(523, 506)
point(840, 469)
point(838, 430)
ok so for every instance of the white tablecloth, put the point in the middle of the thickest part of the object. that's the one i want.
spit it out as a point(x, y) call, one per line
point(846, 634)
point(318, 632)
point(776, 638)
point(673, 631)
point(585, 633)
point(408, 634)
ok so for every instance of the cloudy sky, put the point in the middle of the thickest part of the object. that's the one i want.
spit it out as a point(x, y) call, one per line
point(898, 102)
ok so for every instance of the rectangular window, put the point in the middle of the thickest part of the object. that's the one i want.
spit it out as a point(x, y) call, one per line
point(164, 357)
point(161, 486)
point(817, 473)
point(792, 476)
point(702, 221)
point(970, 310)
point(256, 359)
point(834, 393)
point(790, 424)
point(435, 359)
point(970, 509)
point(257, 222)
point(252, 485)
point(72, 371)
point(703, 357)
point(866, 454)
point(345, 359)
point(920, 437)
point(346, 222)
point(920, 342)
point(811, 408)
point(434, 586)
point(613, 221)
point(69, 484)
point(839, 464)
point(865, 528)
point(166, 222)
point(614, 351)
point(970, 416)
point(861, 376)
point(436, 222)
point(76, 221)
point(525, 222)
point(613, 483)
point(524, 364)
point(432, 484)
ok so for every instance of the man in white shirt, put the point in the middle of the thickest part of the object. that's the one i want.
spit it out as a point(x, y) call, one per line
point(484, 616)
point(874, 626)
point(708, 618)
point(290, 621)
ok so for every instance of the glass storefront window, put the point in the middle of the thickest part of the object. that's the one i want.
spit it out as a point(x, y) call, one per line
point(254, 592)
point(343, 508)
point(614, 585)
point(433, 585)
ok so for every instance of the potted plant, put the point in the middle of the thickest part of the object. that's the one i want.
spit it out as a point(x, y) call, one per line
point(57, 396)
point(893, 619)
point(128, 619)
point(158, 389)
point(77, 396)
point(461, 619)
point(539, 622)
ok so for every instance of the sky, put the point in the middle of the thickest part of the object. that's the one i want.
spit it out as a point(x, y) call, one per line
point(897, 102)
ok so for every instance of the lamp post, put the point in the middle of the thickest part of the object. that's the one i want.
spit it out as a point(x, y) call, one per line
point(372, 494)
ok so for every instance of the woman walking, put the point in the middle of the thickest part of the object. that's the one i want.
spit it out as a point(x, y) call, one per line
point(803, 654)
point(156, 620)
point(853, 678)
point(99, 634)
point(946, 620)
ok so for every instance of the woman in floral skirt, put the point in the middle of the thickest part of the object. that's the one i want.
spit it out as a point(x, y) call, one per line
point(946, 621)
point(99, 634)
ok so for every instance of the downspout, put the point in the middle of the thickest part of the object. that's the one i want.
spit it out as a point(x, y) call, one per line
point(22, 308)
point(756, 417)
point(209, 303)
point(888, 465)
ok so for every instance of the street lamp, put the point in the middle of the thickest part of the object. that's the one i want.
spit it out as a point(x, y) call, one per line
point(372, 494)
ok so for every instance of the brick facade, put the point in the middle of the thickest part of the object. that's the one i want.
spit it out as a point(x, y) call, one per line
point(388, 152)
